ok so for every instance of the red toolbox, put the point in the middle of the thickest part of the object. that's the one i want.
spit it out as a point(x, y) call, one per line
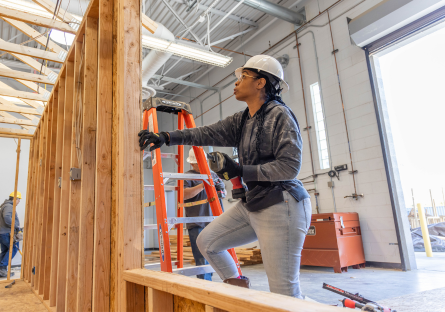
point(334, 240)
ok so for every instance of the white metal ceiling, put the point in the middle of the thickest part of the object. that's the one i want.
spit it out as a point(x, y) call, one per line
point(157, 11)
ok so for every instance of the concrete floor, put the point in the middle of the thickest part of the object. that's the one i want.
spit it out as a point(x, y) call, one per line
point(425, 301)
point(372, 283)
point(418, 290)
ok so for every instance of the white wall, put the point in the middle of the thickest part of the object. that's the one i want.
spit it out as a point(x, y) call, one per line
point(8, 158)
point(376, 218)
point(375, 212)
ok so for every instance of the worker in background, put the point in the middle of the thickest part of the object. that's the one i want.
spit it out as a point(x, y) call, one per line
point(5, 232)
point(277, 208)
point(194, 191)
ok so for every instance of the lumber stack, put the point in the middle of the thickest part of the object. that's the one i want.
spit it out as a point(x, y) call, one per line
point(187, 255)
point(246, 256)
point(249, 256)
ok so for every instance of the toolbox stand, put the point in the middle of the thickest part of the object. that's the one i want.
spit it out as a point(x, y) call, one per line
point(164, 224)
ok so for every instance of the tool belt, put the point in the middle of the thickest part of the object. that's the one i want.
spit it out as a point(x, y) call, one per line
point(262, 195)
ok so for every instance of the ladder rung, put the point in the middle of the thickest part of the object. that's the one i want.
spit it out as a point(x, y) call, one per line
point(156, 264)
point(184, 176)
point(163, 155)
point(150, 226)
point(166, 187)
point(196, 270)
point(177, 220)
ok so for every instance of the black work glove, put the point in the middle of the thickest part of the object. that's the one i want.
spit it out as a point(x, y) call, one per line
point(230, 170)
point(158, 139)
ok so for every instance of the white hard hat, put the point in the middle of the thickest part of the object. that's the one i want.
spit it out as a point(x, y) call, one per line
point(192, 158)
point(266, 64)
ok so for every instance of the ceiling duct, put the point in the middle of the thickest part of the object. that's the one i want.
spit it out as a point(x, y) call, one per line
point(155, 59)
point(276, 10)
point(148, 92)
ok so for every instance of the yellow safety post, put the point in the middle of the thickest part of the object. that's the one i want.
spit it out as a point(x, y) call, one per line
point(425, 233)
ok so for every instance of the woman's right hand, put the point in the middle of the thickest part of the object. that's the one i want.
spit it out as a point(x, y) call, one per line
point(158, 139)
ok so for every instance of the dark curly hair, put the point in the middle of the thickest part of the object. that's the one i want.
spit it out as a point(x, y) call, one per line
point(272, 94)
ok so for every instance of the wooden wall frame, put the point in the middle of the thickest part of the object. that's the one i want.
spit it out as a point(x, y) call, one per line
point(83, 237)
point(79, 231)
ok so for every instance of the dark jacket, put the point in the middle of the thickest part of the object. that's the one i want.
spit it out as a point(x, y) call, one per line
point(6, 217)
point(281, 149)
point(202, 210)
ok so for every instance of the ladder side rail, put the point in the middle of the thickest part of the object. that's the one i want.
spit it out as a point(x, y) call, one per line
point(180, 198)
point(150, 122)
point(210, 187)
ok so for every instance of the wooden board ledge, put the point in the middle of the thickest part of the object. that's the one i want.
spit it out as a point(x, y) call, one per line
point(219, 295)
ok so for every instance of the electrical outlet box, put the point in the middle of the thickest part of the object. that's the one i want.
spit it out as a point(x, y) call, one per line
point(330, 183)
point(75, 174)
point(341, 167)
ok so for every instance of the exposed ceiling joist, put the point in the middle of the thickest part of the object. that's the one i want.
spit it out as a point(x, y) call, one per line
point(20, 110)
point(32, 33)
point(26, 114)
point(34, 87)
point(31, 62)
point(20, 122)
point(8, 115)
point(22, 95)
point(35, 19)
point(23, 77)
point(26, 101)
point(16, 133)
point(32, 52)
point(13, 64)
point(19, 75)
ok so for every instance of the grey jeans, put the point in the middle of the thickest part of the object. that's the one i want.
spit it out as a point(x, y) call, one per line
point(280, 230)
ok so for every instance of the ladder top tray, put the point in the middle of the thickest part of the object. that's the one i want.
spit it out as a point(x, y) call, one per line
point(167, 106)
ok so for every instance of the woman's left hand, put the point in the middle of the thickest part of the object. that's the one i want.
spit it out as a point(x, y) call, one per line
point(231, 169)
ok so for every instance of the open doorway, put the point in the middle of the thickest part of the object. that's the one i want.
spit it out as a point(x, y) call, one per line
point(409, 82)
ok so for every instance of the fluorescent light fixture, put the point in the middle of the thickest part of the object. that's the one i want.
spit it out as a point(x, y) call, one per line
point(186, 51)
point(62, 37)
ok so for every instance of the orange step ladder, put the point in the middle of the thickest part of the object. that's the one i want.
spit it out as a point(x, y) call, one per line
point(164, 224)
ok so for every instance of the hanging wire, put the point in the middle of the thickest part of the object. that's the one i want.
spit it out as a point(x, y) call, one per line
point(56, 12)
point(80, 4)
point(63, 18)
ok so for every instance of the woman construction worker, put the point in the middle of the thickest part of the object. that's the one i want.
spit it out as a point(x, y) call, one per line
point(277, 209)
